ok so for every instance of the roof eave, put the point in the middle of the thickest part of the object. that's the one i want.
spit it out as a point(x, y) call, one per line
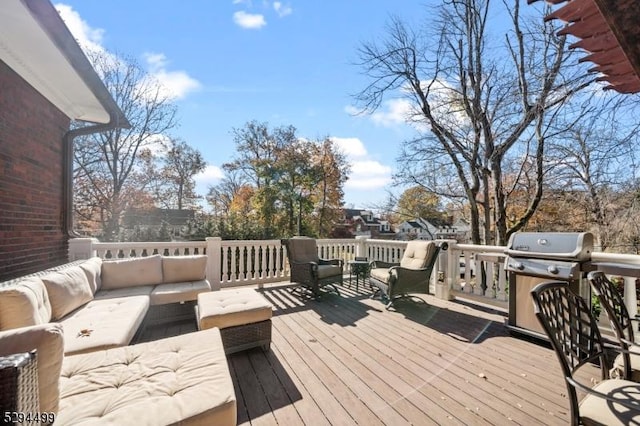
point(608, 30)
point(36, 44)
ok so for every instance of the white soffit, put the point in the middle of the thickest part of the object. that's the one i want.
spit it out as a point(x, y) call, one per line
point(30, 52)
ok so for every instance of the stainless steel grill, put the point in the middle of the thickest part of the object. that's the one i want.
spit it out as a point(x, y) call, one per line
point(535, 257)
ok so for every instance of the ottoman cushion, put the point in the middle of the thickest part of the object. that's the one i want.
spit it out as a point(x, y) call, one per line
point(228, 308)
point(181, 380)
point(178, 292)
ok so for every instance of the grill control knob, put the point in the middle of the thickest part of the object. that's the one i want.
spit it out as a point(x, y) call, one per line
point(553, 269)
point(517, 265)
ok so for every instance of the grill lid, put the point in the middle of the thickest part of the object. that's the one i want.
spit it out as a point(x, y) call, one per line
point(571, 246)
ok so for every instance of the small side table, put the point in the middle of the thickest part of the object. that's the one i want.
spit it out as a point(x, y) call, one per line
point(359, 268)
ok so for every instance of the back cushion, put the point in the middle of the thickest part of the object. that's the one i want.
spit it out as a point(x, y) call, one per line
point(131, 272)
point(92, 268)
point(303, 249)
point(24, 304)
point(418, 254)
point(68, 290)
point(177, 269)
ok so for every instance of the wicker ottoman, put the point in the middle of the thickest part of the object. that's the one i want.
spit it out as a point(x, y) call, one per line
point(242, 315)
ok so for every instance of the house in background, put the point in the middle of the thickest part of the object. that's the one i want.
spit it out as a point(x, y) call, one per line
point(423, 229)
point(156, 221)
point(46, 82)
point(358, 222)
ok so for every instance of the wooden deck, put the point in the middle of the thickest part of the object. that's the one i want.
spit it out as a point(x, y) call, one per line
point(346, 360)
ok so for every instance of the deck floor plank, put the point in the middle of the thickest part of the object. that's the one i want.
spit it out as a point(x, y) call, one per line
point(346, 360)
point(391, 392)
point(450, 358)
point(277, 397)
point(292, 374)
point(318, 389)
point(259, 410)
point(420, 371)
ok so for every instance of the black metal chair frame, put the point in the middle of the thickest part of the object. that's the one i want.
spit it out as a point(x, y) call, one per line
point(409, 281)
point(306, 275)
point(574, 335)
point(619, 319)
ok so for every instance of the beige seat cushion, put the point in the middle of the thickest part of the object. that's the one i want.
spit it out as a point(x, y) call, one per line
point(325, 271)
point(179, 269)
point(417, 254)
point(131, 272)
point(618, 366)
point(179, 380)
point(141, 290)
point(598, 411)
point(23, 304)
point(380, 274)
point(68, 290)
point(109, 323)
point(93, 268)
point(178, 292)
point(47, 340)
point(228, 308)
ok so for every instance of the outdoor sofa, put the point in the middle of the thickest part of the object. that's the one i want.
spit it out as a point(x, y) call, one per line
point(78, 321)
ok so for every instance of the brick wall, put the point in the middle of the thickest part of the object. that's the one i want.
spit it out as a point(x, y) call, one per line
point(31, 186)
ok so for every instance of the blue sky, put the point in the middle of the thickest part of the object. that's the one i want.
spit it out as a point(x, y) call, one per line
point(227, 62)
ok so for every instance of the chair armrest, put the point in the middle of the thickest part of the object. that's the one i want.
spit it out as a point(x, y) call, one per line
point(308, 266)
point(410, 274)
point(382, 264)
point(627, 403)
point(338, 262)
point(19, 383)
point(47, 340)
point(632, 345)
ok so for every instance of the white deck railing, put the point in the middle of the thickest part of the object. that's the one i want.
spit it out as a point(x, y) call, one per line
point(256, 262)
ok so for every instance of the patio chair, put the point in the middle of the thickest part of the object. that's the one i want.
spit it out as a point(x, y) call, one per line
point(573, 331)
point(626, 364)
point(392, 281)
point(314, 275)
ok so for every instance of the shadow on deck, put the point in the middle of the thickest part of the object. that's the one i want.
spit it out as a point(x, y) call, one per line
point(346, 360)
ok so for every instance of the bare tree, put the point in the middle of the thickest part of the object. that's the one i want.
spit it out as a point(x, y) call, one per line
point(477, 104)
point(174, 182)
point(597, 156)
point(107, 163)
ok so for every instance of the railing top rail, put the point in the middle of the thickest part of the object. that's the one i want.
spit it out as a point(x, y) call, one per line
point(249, 242)
point(631, 259)
point(337, 240)
point(388, 242)
point(151, 244)
point(478, 248)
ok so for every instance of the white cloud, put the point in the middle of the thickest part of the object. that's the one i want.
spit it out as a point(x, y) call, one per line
point(365, 172)
point(351, 110)
point(249, 21)
point(210, 176)
point(282, 10)
point(352, 147)
point(90, 39)
point(176, 84)
point(368, 174)
point(393, 113)
point(402, 111)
